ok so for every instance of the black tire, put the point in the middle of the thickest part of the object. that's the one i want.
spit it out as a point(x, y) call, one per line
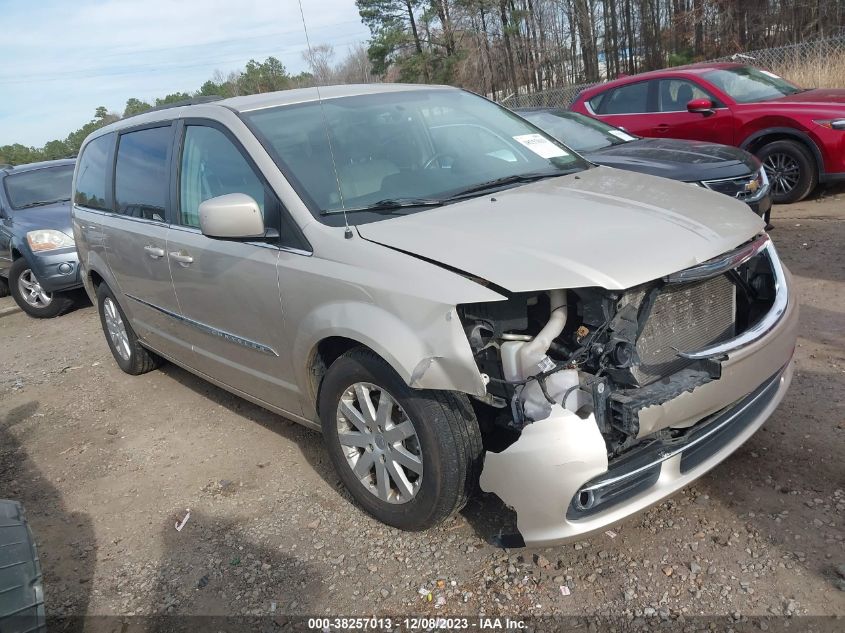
point(58, 302)
point(138, 359)
point(4, 288)
point(778, 159)
point(21, 587)
point(448, 436)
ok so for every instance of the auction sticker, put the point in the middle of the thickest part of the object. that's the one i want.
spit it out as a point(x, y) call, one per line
point(540, 145)
point(623, 135)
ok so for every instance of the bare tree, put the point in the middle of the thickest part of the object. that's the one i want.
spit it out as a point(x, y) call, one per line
point(319, 60)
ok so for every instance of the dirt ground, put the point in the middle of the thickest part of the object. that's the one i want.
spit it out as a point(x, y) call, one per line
point(106, 464)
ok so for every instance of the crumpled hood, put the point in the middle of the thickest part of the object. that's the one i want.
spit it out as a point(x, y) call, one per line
point(600, 227)
point(677, 159)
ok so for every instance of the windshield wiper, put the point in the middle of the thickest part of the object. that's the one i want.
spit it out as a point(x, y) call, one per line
point(388, 205)
point(41, 203)
point(503, 182)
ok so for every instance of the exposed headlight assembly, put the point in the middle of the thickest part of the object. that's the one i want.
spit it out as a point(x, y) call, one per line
point(48, 240)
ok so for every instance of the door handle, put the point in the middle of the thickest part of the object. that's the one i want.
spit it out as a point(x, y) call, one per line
point(181, 258)
point(663, 127)
point(154, 251)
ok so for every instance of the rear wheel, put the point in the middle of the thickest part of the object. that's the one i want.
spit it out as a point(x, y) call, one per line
point(791, 170)
point(409, 457)
point(130, 355)
point(31, 297)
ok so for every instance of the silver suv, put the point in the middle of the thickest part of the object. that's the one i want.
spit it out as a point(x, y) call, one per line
point(443, 290)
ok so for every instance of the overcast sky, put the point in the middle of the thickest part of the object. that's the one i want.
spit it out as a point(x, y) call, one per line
point(61, 59)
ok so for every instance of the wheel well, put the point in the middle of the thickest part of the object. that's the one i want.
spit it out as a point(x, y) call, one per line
point(328, 351)
point(16, 254)
point(757, 144)
point(96, 279)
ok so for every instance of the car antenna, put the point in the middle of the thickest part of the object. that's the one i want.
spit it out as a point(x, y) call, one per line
point(348, 232)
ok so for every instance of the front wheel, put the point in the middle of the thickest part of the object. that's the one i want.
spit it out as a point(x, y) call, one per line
point(31, 297)
point(409, 457)
point(790, 169)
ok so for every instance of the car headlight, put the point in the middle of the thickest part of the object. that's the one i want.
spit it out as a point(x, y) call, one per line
point(833, 124)
point(48, 240)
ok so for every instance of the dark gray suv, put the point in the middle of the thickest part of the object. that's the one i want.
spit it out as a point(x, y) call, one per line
point(38, 261)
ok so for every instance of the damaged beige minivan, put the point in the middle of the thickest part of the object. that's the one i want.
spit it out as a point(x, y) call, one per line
point(448, 293)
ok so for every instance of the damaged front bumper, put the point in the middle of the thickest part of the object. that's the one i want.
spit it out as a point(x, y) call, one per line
point(557, 476)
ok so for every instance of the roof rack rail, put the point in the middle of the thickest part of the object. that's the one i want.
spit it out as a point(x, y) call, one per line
point(178, 104)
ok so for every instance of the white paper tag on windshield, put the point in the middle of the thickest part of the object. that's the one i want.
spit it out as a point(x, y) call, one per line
point(623, 135)
point(768, 74)
point(540, 145)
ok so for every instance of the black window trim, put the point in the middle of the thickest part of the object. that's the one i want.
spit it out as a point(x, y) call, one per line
point(300, 243)
point(168, 167)
point(108, 184)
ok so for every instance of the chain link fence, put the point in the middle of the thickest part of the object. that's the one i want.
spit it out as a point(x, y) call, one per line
point(817, 63)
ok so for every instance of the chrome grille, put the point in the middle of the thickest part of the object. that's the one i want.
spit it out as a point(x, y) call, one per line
point(685, 317)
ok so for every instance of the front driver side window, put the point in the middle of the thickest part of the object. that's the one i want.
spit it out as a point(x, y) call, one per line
point(674, 94)
point(212, 166)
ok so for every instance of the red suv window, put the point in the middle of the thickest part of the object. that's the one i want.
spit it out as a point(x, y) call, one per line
point(629, 99)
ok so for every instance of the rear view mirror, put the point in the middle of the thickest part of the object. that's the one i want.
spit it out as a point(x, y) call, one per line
point(700, 106)
point(233, 216)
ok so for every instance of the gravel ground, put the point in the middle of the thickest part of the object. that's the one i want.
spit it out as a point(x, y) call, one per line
point(106, 464)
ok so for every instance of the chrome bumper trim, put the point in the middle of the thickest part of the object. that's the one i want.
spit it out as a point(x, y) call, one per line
point(666, 450)
point(764, 325)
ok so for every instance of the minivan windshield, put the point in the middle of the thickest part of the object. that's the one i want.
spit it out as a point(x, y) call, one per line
point(39, 187)
point(746, 84)
point(581, 133)
point(403, 151)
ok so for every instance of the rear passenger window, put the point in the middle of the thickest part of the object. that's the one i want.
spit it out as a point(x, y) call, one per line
point(90, 186)
point(212, 166)
point(141, 173)
point(627, 99)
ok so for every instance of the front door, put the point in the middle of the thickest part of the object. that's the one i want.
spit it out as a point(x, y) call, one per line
point(228, 290)
point(673, 120)
point(135, 238)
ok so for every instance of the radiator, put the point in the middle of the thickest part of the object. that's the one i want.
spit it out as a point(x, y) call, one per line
point(685, 317)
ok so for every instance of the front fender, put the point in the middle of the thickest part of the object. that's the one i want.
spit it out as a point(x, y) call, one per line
point(426, 347)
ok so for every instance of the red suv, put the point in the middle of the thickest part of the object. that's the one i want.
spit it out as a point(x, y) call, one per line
point(798, 134)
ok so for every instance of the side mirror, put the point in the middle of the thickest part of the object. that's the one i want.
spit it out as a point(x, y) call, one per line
point(233, 216)
point(700, 106)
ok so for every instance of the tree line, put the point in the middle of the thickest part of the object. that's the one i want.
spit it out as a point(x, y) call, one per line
point(255, 77)
point(499, 47)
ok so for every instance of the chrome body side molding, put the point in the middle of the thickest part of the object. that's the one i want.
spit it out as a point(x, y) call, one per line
point(204, 327)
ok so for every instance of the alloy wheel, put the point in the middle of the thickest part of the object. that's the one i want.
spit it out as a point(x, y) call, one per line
point(783, 171)
point(116, 328)
point(379, 442)
point(32, 292)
